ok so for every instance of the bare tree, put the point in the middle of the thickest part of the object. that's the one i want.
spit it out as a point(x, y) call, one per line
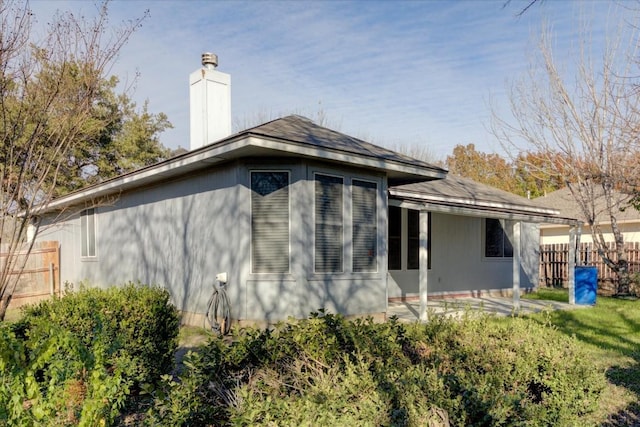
point(49, 85)
point(589, 120)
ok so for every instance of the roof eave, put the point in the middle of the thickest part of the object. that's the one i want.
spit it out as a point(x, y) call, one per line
point(471, 203)
point(230, 149)
point(453, 209)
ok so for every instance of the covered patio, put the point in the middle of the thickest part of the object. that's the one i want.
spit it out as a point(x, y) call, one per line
point(409, 311)
point(463, 209)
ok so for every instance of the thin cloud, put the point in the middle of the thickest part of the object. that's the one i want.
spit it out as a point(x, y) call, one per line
point(398, 72)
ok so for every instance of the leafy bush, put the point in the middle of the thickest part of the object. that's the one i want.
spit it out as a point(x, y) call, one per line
point(132, 322)
point(74, 360)
point(326, 370)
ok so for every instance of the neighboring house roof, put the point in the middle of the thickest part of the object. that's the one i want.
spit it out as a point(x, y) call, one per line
point(291, 136)
point(456, 194)
point(565, 203)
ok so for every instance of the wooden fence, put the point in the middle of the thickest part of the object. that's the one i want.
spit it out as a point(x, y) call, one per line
point(41, 275)
point(554, 265)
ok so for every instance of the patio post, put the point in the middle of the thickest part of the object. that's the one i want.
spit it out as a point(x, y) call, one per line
point(516, 264)
point(574, 239)
point(423, 264)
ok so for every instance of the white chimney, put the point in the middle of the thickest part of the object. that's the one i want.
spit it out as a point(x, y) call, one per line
point(210, 96)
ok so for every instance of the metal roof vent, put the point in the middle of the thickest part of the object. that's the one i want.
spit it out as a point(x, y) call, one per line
point(209, 60)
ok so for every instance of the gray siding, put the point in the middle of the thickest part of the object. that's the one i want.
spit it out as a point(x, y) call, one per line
point(458, 262)
point(180, 234)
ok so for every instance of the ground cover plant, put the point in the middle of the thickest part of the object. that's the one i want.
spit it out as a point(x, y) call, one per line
point(77, 360)
point(327, 370)
point(577, 367)
point(609, 334)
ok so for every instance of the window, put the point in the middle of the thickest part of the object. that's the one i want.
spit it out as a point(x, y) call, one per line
point(270, 222)
point(496, 243)
point(395, 238)
point(411, 240)
point(88, 233)
point(364, 225)
point(329, 224)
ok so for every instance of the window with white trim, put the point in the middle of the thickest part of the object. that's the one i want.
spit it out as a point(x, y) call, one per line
point(496, 240)
point(269, 221)
point(329, 226)
point(88, 233)
point(364, 225)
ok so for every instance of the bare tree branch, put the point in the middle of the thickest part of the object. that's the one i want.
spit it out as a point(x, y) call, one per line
point(48, 90)
point(589, 121)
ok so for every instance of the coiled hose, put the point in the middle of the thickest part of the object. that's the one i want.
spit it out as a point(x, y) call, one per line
point(218, 310)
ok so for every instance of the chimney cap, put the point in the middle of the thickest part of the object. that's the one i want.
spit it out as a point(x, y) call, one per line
point(209, 60)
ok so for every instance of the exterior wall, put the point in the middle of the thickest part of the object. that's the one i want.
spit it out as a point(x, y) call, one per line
point(458, 264)
point(551, 234)
point(530, 255)
point(274, 297)
point(180, 234)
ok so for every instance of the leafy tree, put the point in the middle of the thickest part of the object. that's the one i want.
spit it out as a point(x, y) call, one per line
point(586, 125)
point(537, 173)
point(127, 139)
point(487, 168)
point(51, 86)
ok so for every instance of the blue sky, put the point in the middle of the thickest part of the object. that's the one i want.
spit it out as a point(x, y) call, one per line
point(396, 73)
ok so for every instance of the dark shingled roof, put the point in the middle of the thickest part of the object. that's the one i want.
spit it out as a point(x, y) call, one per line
point(299, 129)
point(563, 201)
point(470, 192)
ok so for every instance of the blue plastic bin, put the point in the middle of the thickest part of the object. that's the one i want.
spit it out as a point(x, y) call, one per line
point(586, 278)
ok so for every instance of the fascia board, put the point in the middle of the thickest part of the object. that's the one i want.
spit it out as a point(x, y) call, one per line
point(219, 152)
point(146, 175)
point(484, 213)
point(605, 223)
point(468, 202)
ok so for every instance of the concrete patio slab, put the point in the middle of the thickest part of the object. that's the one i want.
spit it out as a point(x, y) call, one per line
point(455, 307)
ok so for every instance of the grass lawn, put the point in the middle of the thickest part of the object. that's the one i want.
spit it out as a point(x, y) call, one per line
point(610, 332)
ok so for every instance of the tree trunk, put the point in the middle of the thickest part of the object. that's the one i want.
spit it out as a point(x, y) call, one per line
point(624, 277)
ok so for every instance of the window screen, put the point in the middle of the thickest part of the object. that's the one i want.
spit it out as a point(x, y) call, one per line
point(270, 222)
point(88, 233)
point(329, 224)
point(364, 225)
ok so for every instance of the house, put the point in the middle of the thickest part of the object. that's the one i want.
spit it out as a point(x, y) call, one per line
point(297, 217)
point(627, 217)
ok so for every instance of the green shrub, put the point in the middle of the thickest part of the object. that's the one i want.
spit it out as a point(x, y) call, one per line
point(326, 370)
point(512, 371)
point(74, 360)
point(12, 374)
point(132, 322)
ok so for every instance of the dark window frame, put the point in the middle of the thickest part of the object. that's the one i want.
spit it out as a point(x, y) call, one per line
point(497, 243)
point(397, 259)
